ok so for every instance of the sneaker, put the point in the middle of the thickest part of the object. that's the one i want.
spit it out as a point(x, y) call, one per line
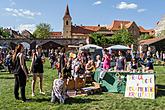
point(42, 93)
point(27, 100)
point(33, 94)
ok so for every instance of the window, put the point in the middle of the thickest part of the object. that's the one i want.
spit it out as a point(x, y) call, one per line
point(67, 23)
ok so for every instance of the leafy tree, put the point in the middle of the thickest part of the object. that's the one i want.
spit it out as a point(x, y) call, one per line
point(162, 33)
point(4, 34)
point(99, 39)
point(42, 30)
point(145, 36)
point(122, 37)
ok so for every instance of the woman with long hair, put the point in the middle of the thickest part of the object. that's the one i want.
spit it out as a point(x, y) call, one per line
point(37, 68)
point(20, 72)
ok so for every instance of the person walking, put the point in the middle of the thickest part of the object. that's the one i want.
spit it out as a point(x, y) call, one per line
point(37, 68)
point(20, 72)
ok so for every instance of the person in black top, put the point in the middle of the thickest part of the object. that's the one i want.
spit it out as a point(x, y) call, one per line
point(37, 68)
point(62, 61)
point(20, 72)
point(149, 65)
point(52, 58)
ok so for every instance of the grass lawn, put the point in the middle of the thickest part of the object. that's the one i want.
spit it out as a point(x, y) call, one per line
point(111, 101)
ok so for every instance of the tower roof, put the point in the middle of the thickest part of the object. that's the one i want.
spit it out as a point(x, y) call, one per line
point(67, 13)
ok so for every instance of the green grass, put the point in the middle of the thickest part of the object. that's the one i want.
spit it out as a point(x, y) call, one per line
point(104, 101)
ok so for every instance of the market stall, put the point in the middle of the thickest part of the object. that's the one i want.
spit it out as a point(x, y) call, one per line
point(140, 85)
point(118, 47)
point(93, 49)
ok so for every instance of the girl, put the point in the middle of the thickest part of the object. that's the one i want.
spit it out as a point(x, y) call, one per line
point(20, 72)
point(37, 68)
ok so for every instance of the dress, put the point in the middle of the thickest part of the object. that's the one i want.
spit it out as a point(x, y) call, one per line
point(120, 63)
point(38, 64)
point(106, 61)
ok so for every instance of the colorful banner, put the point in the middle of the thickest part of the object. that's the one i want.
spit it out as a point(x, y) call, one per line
point(140, 86)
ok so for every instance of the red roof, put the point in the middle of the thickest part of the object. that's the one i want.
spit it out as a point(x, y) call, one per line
point(56, 34)
point(84, 29)
point(142, 29)
point(151, 41)
point(116, 25)
point(150, 31)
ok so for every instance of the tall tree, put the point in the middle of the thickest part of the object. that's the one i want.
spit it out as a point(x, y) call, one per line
point(99, 39)
point(122, 37)
point(145, 36)
point(42, 30)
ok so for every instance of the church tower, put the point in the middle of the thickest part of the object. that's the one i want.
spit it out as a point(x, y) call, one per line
point(67, 24)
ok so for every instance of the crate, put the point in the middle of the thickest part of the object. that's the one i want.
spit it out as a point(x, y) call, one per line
point(71, 84)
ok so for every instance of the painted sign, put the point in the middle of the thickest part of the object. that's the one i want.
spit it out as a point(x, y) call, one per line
point(140, 86)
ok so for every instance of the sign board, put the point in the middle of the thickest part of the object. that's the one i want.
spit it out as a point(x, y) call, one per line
point(140, 86)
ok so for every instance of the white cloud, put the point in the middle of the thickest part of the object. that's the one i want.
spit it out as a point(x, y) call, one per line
point(29, 27)
point(124, 5)
point(22, 12)
point(12, 3)
point(97, 3)
point(141, 10)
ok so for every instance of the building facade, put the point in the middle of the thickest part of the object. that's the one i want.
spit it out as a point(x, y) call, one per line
point(81, 31)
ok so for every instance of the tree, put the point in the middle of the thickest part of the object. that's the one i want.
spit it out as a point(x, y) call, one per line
point(42, 31)
point(162, 33)
point(145, 36)
point(99, 39)
point(4, 33)
point(122, 37)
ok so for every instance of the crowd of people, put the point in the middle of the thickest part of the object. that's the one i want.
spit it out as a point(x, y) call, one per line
point(76, 65)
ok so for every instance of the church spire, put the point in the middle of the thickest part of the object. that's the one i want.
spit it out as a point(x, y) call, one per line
point(67, 13)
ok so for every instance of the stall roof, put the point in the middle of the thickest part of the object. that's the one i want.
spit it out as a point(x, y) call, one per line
point(90, 46)
point(118, 47)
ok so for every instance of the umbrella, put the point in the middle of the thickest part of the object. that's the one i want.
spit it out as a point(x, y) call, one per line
point(90, 46)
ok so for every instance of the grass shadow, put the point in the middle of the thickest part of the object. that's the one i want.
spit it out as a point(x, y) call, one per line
point(41, 100)
point(5, 73)
point(79, 100)
point(4, 77)
point(161, 90)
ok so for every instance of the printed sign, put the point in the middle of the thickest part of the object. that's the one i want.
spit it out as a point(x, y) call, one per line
point(140, 86)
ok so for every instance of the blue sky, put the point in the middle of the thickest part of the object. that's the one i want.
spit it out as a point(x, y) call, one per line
point(21, 14)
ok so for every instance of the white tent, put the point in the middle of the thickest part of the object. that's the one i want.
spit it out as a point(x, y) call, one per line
point(118, 47)
point(90, 46)
point(26, 45)
point(93, 49)
point(3, 47)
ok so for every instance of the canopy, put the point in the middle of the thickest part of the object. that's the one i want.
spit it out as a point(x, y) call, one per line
point(118, 47)
point(3, 47)
point(90, 46)
point(26, 45)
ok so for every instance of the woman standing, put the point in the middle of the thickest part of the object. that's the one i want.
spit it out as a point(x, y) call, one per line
point(37, 68)
point(120, 62)
point(106, 60)
point(20, 72)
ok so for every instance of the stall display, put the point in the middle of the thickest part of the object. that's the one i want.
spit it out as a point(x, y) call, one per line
point(112, 81)
point(94, 50)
